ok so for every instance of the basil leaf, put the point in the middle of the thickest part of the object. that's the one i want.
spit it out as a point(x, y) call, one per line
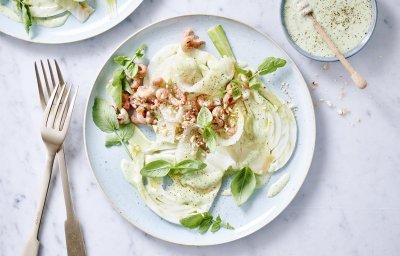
point(26, 16)
point(126, 86)
point(122, 60)
point(270, 64)
point(243, 185)
point(112, 140)
point(216, 225)
point(104, 116)
point(192, 221)
point(189, 165)
point(126, 131)
point(206, 223)
point(131, 70)
point(255, 83)
point(204, 117)
point(114, 89)
point(227, 226)
point(140, 51)
point(245, 72)
point(157, 168)
point(210, 138)
point(236, 92)
point(18, 3)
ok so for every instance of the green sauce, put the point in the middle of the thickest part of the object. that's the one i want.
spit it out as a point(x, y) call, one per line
point(346, 21)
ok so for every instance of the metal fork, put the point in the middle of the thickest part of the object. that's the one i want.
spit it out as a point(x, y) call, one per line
point(73, 234)
point(53, 131)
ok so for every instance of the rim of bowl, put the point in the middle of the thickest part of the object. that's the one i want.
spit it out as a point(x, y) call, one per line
point(331, 59)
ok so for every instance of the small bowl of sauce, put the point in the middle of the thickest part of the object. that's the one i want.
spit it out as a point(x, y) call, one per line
point(349, 23)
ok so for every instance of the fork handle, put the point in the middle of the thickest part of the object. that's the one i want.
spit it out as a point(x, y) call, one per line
point(73, 233)
point(32, 245)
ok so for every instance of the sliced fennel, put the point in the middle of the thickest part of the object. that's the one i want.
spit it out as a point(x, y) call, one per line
point(79, 10)
point(256, 139)
point(220, 40)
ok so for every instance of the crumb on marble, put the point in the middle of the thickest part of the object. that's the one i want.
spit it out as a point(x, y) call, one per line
point(325, 67)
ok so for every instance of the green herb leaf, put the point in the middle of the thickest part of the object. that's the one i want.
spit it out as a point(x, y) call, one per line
point(140, 51)
point(114, 89)
point(217, 225)
point(18, 3)
point(157, 168)
point(104, 116)
point(112, 140)
point(131, 70)
point(236, 92)
point(245, 72)
point(192, 221)
point(227, 226)
point(206, 223)
point(26, 17)
point(122, 60)
point(255, 83)
point(210, 138)
point(126, 131)
point(25, 14)
point(204, 117)
point(189, 165)
point(126, 86)
point(270, 64)
point(243, 185)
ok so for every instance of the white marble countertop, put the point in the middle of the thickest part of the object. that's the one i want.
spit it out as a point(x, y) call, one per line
point(348, 205)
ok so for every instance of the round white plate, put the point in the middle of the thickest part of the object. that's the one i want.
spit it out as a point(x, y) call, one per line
point(248, 45)
point(72, 31)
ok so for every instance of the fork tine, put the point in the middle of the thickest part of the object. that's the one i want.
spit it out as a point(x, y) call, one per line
point(45, 79)
point(40, 88)
point(49, 105)
point(69, 113)
point(51, 74)
point(60, 77)
point(64, 105)
point(58, 104)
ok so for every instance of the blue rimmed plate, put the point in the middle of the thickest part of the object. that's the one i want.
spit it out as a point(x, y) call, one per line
point(72, 31)
point(250, 46)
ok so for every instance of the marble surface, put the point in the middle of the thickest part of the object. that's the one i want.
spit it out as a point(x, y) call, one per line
point(348, 205)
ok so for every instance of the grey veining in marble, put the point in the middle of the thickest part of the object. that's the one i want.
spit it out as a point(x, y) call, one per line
point(348, 205)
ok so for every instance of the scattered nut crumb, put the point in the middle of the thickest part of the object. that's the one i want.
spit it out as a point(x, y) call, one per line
point(325, 67)
point(330, 104)
point(342, 111)
point(341, 93)
point(226, 192)
point(314, 84)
